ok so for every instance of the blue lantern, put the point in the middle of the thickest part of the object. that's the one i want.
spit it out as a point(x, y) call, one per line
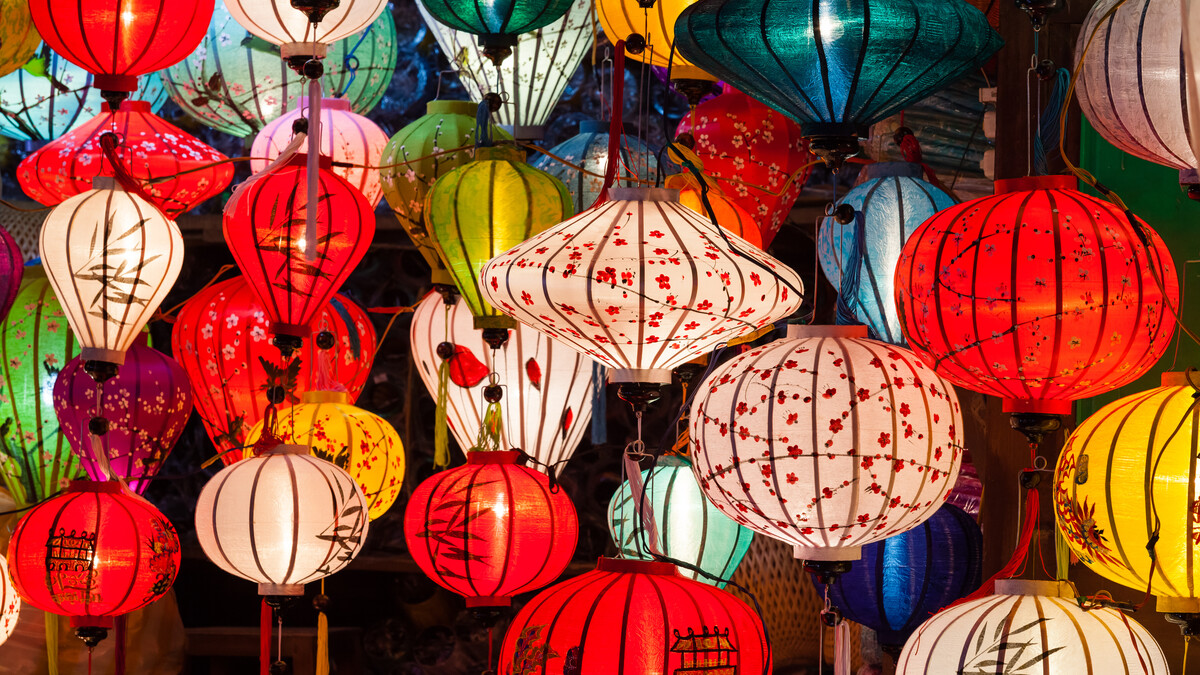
point(888, 206)
point(589, 151)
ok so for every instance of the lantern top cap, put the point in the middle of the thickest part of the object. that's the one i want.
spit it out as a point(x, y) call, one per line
point(326, 104)
point(476, 457)
point(799, 330)
point(438, 107)
point(633, 566)
point(326, 396)
point(94, 486)
point(643, 194)
point(1050, 589)
point(1005, 185)
point(105, 183)
point(285, 449)
point(500, 153)
point(128, 106)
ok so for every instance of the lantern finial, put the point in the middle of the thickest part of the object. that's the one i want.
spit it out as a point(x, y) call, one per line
point(91, 635)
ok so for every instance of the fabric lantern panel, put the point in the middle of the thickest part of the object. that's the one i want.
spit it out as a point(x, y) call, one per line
point(622, 18)
point(10, 603)
point(12, 271)
point(19, 41)
point(496, 23)
point(727, 212)
point(279, 22)
point(589, 151)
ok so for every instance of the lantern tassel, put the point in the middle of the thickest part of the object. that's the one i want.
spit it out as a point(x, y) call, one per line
point(441, 441)
point(298, 141)
point(645, 516)
point(322, 638)
point(841, 648)
point(52, 643)
point(599, 405)
point(1017, 562)
point(264, 638)
point(615, 125)
point(314, 167)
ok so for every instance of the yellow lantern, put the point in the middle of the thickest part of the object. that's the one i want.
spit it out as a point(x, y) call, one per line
point(622, 18)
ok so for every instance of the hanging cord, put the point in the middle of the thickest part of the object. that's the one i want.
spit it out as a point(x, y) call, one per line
point(483, 126)
point(441, 439)
point(599, 404)
point(264, 638)
point(847, 299)
point(1029, 481)
point(1049, 121)
point(615, 124)
point(109, 142)
point(313, 202)
point(350, 62)
point(51, 631)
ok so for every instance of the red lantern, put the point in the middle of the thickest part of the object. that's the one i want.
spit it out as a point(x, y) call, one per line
point(221, 340)
point(92, 553)
point(265, 227)
point(1039, 295)
point(491, 529)
point(631, 617)
point(151, 148)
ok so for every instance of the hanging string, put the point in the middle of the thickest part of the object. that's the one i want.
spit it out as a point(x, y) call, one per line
point(615, 124)
point(312, 203)
point(264, 638)
point(350, 62)
point(635, 451)
point(1049, 121)
point(1020, 554)
point(441, 436)
point(599, 405)
point(109, 142)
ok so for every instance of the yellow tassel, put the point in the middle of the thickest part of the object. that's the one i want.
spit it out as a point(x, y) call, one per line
point(52, 642)
point(441, 441)
point(322, 640)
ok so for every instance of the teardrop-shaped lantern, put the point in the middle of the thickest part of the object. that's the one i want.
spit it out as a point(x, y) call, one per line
point(589, 151)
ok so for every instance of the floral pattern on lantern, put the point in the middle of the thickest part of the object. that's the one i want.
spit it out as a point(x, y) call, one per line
point(280, 23)
point(589, 151)
point(19, 41)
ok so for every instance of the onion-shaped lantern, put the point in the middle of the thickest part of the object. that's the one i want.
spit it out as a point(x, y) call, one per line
point(150, 148)
point(10, 603)
point(304, 28)
point(1031, 626)
point(836, 68)
point(656, 25)
point(93, 553)
point(727, 212)
point(629, 617)
point(688, 527)
point(18, 42)
point(826, 440)
point(859, 249)
point(281, 519)
point(221, 339)
point(497, 23)
point(490, 530)
point(589, 151)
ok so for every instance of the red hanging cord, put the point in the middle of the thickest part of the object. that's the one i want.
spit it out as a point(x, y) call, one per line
point(264, 639)
point(109, 142)
point(615, 125)
point(1020, 555)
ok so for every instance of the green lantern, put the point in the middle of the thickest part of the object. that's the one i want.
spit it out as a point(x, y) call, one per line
point(497, 22)
point(484, 208)
point(35, 344)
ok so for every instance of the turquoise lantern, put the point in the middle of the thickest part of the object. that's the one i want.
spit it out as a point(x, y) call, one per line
point(498, 23)
point(589, 151)
point(860, 244)
point(689, 527)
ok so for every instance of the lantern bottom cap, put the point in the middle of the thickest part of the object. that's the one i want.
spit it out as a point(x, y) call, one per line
point(822, 553)
point(1175, 605)
point(101, 354)
point(649, 375)
point(1044, 407)
point(300, 330)
point(281, 589)
point(317, 50)
point(488, 601)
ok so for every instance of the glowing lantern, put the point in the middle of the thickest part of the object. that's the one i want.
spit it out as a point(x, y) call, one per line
point(93, 553)
point(757, 155)
point(836, 68)
point(622, 283)
point(416, 157)
point(111, 257)
point(10, 603)
point(888, 205)
point(281, 519)
point(221, 340)
point(628, 617)
point(1028, 626)
point(689, 527)
point(150, 148)
point(849, 440)
point(548, 387)
point(1085, 316)
point(18, 42)
point(304, 28)
point(497, 23)
point(727, 212)
point(346, 137)
point(490, 530)
point(589, 151)
point(144, 408)
point(656, 24)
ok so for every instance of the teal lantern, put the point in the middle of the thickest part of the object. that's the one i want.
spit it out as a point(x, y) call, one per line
point(690, 528)
point(497, 22)
point(836, 67)
point(589, 151)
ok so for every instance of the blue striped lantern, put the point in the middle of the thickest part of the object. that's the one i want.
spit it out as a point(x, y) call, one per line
point(589, 151)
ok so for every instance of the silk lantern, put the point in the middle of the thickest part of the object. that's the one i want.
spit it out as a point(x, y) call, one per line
point(10, 603)
point(304, 28)
point(688, 527)
point(111, 257)
point(757, 156)
point(151, 148)
point(346, 137)
point(221, 339)
point(281, 519)
point(836, 68)
point(490, 529)
point(727, 212)
point(145, 408)
point(18, 39)
point(859, 256)
point(1039, 295)
point(589, 151)
point(549, 388)
point(497, 23)
point(634, 616)
point(532, 82)
point(12, 271)
point(656, 24)
point(1028, 626)
point(826, 440)
point(93, 553)
point(641, 284)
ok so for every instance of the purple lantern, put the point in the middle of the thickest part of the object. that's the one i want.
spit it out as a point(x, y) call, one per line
point(12, 268)
point(146, 406)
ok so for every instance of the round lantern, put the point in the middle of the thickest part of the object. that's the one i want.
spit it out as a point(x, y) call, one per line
point(1039, 295)
point(826, 440)
point(757, 155)
point(641, 284)
point(533, 80)
point(497, 23)
point(235, 82)
point(485, 207)
point(359, 442)
point(548, 387)
point(304, 28)
point(629, 617)
point(889, 205)
point(346, 137)
point(589, 151)
point(94, 552)
point(281, 519)
point(490, 530)
point(144, 408)
point(727, 212)
point(10, 603)
point(836, 68)
point(150, 148)
point(111, 257)
point(18, 42)
point(1031, 626)
point(903, 580)
point(655, 23)
point(688, 526)
point(265, 227)
point(221, 340)
point(416, 157)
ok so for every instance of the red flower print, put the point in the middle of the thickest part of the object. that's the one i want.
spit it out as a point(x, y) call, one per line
point(526, 298)
point(885, 439)
point(835, 425)
point(905, 410)
point(794, 451)
point(791, 478)
point(663, 281)
point(829, 393)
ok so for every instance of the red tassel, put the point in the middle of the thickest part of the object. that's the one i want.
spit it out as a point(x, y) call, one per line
point(1017, 562)
point(264, 639)
point(120, 626)
point(616, 125)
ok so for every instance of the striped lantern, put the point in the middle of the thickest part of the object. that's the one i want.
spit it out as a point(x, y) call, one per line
point(1027, 627)
point(298, 33)
point(826, 440)
point(19, 41)
point(589, 151)
point(10, 603)
point(281, 519)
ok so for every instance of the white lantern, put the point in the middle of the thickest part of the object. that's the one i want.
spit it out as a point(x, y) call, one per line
point(533, 79)
point(826, 440)
point(280, 23)
point(1031, 627)
point(10, 603)
point(111, 257)
point(641, 284)
point(346, 137)
point(281, 519)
